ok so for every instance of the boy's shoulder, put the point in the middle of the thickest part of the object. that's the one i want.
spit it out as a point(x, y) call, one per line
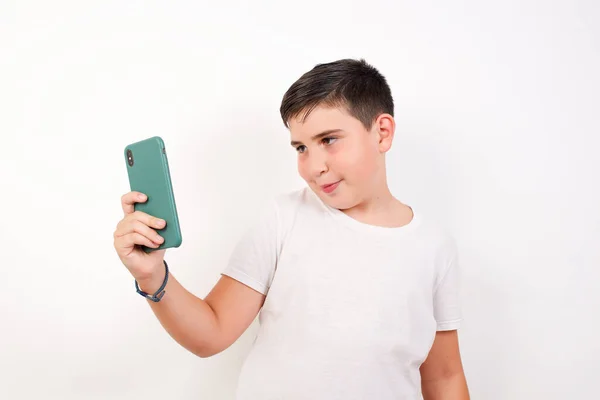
point(293, 201)
point(294, 196)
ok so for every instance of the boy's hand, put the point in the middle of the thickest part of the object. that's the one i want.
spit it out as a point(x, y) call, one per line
point(135, 229)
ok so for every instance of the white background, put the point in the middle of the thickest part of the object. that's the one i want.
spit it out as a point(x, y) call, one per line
point(498, 137)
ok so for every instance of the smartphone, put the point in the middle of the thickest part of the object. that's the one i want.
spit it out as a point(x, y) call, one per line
point(148, 171)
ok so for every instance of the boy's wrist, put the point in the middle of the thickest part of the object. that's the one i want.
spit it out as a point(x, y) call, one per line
point(151, 283)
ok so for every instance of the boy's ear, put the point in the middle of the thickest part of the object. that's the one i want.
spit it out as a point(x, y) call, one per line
point(385, 127)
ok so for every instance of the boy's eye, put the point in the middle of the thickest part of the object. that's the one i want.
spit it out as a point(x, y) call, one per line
point(327, 141)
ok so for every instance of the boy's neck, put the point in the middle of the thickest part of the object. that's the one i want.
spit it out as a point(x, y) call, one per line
point(381, 209)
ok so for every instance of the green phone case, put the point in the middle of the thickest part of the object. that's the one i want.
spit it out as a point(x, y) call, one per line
point(148, 170)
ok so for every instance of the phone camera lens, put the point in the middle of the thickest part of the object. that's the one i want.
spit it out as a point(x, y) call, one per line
point(130, 158)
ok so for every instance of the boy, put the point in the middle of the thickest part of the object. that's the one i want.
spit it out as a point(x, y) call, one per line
point(357, 292)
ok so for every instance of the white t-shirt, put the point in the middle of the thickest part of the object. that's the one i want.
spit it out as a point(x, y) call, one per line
point(351, 309)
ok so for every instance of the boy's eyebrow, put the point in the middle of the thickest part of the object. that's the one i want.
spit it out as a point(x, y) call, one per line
point(318, 136)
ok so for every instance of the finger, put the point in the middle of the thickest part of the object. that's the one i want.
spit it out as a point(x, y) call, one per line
point(147, 219)
point(128, 201)
point(142, 223)
point(143, 229)
point(132, 239)
point(132, 224)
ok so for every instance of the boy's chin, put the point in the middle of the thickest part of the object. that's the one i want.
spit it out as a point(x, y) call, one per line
point(341, 201)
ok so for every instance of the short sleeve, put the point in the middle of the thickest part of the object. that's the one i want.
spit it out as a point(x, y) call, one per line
point(446, 298)
point(254, 258)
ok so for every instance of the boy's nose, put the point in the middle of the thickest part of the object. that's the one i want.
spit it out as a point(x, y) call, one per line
point(318, 166)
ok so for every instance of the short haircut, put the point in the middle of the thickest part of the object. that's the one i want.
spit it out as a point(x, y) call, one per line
point(353, 84)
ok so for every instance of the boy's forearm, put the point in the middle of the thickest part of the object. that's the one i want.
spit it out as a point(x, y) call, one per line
point(188, 319)
point(449, 388)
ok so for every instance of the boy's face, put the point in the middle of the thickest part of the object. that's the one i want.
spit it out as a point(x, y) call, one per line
point(340, 160)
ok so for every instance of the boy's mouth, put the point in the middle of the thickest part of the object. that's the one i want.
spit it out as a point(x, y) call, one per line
point(330, 187)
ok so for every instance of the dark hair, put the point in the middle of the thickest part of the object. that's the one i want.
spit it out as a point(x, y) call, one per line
point(352, 84)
